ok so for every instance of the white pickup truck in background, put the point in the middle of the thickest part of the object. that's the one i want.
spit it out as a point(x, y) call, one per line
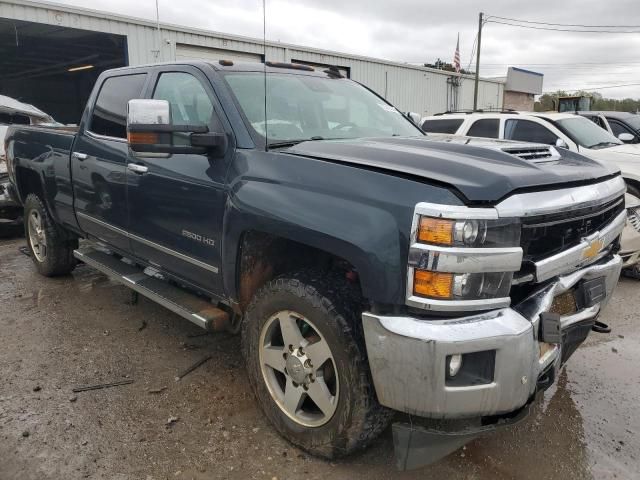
point(561, 130)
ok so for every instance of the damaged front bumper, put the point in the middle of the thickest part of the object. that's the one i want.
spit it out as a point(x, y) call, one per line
point(504, 358)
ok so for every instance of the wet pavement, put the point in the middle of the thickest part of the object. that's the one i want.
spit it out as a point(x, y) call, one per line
point(57, 334)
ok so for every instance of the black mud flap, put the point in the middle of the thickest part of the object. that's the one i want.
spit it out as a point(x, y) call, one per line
point(418, 445)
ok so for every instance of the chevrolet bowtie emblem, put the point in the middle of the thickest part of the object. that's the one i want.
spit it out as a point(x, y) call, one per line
point(593, 249)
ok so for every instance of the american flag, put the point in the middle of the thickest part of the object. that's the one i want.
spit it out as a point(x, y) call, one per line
point(456, 56)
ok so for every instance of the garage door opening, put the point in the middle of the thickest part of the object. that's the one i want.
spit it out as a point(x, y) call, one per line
point(54, 68)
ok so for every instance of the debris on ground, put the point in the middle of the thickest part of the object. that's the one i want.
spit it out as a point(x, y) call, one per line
point(142, 326)
point(25, 433)
point(24, 250)
point(193, 367)
point(73, 398)
point(156, 390)
point(172, 420)
point(37, 388)
point(101, 386)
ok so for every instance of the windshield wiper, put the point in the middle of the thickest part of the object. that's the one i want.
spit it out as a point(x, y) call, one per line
point(291, 143)
point(603, 144)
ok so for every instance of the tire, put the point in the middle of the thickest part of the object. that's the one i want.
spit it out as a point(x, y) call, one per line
point(328, 305)
point(632, 271)
point(633, 190)
point(57, 256)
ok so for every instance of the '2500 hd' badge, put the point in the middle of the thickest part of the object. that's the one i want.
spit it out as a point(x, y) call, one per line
point(199, 238)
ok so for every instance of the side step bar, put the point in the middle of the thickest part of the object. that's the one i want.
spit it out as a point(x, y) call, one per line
point(186, 304)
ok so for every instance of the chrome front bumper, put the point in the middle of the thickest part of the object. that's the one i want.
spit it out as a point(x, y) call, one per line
point(408, 355)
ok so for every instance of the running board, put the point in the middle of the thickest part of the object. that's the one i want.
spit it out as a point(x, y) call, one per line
point(186, 304)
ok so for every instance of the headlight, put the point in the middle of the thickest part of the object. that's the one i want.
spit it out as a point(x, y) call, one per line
point(469, 232)
point(461, 286)
point(462, 258)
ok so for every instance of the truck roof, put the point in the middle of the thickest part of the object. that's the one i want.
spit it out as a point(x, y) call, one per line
point(233, 66)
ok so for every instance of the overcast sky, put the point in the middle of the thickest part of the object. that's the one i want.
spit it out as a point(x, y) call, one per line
point(418, 31)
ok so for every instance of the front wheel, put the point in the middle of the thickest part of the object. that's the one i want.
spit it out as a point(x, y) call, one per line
point(51, 248)
point(307, 365)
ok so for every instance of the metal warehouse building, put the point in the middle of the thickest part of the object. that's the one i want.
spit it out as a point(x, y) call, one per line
point(50, 56)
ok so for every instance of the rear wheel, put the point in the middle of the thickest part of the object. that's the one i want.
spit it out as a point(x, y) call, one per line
point(51, 247)
point(307, 364)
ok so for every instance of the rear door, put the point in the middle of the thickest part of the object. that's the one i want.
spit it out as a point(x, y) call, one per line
point(176, 206)
point(99, 160)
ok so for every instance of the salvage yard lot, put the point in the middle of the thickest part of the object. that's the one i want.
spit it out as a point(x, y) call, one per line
point(57, 334)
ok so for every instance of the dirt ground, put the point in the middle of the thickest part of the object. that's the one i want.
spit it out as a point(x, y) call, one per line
point(56, 334)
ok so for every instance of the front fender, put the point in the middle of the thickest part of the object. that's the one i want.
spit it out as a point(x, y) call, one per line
point(359, 215)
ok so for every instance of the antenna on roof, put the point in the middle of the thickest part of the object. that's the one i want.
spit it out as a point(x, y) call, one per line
point(264, 63)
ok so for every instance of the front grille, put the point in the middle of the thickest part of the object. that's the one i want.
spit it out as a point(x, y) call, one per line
point(633, 216)
point(546, 235)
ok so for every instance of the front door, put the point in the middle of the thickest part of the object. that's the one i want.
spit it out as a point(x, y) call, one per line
point(176, 204)
point(99, 161)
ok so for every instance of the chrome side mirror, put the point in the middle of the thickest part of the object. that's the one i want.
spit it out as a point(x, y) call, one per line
point(414, 117)
point(560, 143)
point(150, 132)
point(626, 137)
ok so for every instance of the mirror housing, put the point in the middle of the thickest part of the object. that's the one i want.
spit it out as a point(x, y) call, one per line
point(414, 117)
point(560, 143)
point(150, 132)
point(626, 137)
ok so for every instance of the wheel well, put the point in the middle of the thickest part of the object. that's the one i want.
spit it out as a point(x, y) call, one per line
point(263, 256)
point(28, 182)
point(634, 183)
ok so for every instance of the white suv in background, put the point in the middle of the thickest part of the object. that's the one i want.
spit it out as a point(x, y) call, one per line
point(562, 130)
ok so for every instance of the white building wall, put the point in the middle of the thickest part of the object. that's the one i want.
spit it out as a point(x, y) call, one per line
point(409, 87)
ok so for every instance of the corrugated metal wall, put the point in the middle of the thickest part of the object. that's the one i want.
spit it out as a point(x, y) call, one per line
point(410, 88)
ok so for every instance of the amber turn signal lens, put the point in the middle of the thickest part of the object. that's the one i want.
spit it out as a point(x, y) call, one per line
point(436, 231)
point(433, 284)
point(143, 138)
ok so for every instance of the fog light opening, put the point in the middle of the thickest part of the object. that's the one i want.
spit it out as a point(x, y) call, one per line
point(454, 365)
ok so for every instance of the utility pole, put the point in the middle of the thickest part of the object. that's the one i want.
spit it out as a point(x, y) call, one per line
point(475, 87)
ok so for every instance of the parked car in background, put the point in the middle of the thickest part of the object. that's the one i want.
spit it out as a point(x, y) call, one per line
point(622, 125)
point(561, 130)
point(13, 112)
point(367, 268)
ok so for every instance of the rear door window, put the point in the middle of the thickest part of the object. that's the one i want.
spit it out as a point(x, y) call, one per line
point(444, 125)
point(528, 131)
point(109, 117)
point(486, 127)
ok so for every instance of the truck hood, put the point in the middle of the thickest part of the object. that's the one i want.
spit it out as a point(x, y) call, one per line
point(475, 167)
point(624, 149)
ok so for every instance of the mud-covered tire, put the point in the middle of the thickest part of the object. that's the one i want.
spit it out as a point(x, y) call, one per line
point(59, 259)
point(329, 304)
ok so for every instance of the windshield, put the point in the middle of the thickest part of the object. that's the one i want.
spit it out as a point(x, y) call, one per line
point(586, 133)
point(304, 107)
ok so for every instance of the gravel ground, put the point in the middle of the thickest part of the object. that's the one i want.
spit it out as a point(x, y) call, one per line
point(56, 334)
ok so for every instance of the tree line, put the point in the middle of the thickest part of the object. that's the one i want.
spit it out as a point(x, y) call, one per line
point(549, 102)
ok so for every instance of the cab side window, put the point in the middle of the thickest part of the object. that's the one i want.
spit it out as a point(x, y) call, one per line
point(109, 117)
point(486, 127)
point(617, 128)
point(445, 125)
point(528, 131)
point(190, 104)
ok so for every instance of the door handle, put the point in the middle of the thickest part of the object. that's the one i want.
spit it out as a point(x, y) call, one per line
point(139, 169)
point(79, 156)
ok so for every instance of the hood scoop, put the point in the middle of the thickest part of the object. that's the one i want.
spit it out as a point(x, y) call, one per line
point(535, 154)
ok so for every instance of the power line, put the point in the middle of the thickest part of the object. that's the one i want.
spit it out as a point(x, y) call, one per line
point(598, 88)
point(563, 24)
point(561, 29)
